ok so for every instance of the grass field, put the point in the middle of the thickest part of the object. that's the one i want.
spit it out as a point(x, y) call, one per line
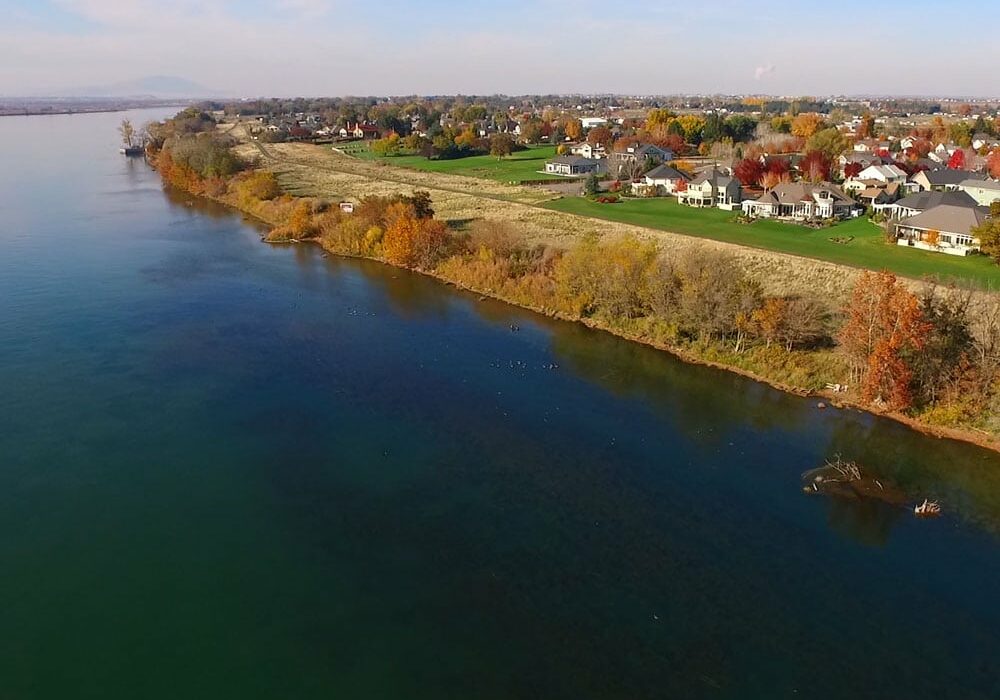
point(518, 167)
point(866, 250)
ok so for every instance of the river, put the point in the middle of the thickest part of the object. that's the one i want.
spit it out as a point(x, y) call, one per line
point(229, 469)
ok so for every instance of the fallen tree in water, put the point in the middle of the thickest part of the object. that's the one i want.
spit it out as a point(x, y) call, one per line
point(845, 479)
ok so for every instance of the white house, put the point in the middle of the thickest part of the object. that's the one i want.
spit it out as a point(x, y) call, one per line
point(666, 179)
point(801, 201)
point(985, 192)
point(588, 150)
point(942, 229)
point(711, 189)
point(883, 173)
point(573, 166)
point(591, 122)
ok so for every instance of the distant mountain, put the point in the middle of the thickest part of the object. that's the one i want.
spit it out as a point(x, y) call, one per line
point(149, 86)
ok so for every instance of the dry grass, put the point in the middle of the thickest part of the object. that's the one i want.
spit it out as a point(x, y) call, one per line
point(317, 171)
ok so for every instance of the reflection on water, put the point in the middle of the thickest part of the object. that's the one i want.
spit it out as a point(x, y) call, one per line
point(262, 472)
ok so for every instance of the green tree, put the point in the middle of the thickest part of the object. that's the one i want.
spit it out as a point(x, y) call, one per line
point(592, 185)
point(988, 233)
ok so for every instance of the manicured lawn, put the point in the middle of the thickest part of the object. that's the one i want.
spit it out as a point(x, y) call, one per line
point(866, 250)
point(518, 167)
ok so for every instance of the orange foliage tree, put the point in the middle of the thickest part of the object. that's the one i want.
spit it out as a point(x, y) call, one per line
point(884, 326)
point(805, 125)
point(410, 241)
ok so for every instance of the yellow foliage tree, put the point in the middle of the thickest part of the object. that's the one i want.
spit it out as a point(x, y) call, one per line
point(807, 124)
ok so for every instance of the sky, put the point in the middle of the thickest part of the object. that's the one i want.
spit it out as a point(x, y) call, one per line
point(394, 47)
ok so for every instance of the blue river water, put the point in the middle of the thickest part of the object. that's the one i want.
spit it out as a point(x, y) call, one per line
point(229, 469)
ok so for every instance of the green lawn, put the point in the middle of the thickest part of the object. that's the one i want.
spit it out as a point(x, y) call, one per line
point(866, 250)
point(518, 167)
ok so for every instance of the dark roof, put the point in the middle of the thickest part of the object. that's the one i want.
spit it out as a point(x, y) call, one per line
point(574, 160)
point(950, 177)
point(922, 201)
point(667, 172)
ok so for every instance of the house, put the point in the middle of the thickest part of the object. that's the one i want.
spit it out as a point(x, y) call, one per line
point(863, 159)
point(711, 188)
point(924, 201)
point(624, 163)
point(802, 201)
point(574, 166)
point(359, 131)
point(944, 229)
point(878, 197)
point(981, 140)
point(588, 150)
point(943, 180)
point(591, 122)
point(666, 179)
point(883, 173)
point(985, 192)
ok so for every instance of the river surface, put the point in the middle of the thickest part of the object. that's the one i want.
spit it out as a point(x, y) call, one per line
point(232, 470)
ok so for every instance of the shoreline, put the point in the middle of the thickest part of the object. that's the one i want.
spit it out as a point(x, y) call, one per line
point(831, 399)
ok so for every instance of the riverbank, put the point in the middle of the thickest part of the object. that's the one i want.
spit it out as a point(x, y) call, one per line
point(772, 366)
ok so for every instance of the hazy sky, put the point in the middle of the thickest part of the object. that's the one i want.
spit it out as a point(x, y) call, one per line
point(337, 47)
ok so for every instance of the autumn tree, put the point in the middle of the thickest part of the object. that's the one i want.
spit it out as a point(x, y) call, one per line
point(993, 164)
point(501, 146)
point(885, 327)
point(659, 118)
point(806, 124)
point(828, 141)
point(573, 129)
point(866, 126)
point(816, 166)
point(749, 171)
point(957, 160)
point(600, 136)
point(852, 170)
point(388, 146)
point(410, 241)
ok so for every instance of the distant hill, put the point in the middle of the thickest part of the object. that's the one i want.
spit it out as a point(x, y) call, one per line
point(149, 86)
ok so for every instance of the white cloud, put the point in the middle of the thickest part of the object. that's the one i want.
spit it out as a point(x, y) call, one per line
point(761, 71)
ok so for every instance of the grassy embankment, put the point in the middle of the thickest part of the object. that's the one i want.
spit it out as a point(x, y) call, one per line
point(522, 166)
point(867, 249)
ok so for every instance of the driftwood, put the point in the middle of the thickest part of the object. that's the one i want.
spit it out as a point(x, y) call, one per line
point(845, 479)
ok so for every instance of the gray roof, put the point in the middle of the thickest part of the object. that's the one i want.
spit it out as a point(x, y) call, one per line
point(574, 160)
point(922, 201)
point(790, 192)
point(981, 184)
point(721, 180)
point(667, 172)
point(948, 218)
point(950, 177)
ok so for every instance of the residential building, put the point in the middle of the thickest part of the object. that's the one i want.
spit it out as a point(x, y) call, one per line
point(802, 201)
point(944, 229)
point(711, 189)
point(666, 179)
point(629, 162)
point(985, 192)
point(574, 166)
point(923, 201)
point(883, 173)
point(943, 180)
point(588, 150)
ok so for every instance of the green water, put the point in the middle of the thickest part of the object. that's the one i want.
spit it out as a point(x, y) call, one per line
point(235, 470)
